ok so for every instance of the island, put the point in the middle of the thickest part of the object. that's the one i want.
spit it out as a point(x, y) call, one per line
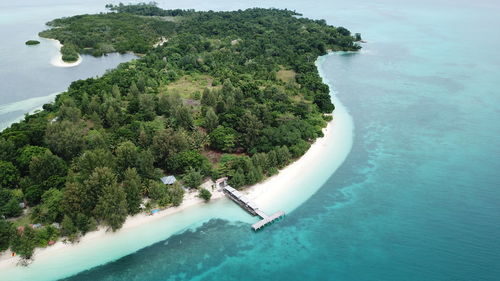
point(32, 42)
point(213, 95)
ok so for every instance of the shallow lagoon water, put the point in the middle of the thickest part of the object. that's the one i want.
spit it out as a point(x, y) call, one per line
point(27, 78)
point(417, 197)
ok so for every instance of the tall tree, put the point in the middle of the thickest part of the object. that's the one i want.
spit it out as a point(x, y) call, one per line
point(133, 190)
point(68, 228)
point(193, 178)
point(9, 175)
point(65, 139)
point(7, 232)
point(211, 120)
point(50, 210)
point(47, 165)
point(250, 126)
point(26, 154)
point(7, 150)
point(24, 243)
point(184, 118)
point(176, 194)
point(168, 142)
point(112, 206)
point(238, 179)
point(208, 98)
point(116, 91)
point(92, 159)
point(127, 156)
point(94, 186)
point(145, 164)
point(147, 107)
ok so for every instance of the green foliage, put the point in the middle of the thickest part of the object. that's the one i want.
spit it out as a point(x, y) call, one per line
point(32, 42)
point(146, 9)
point(65, 139)
point(100, 179)
point(159, 193)
point(32, 191)
point(132, 186)
point(184, 118)
point(105, 33)
point(45, 166)
point(263, 100)
point(76, 199)
point(9, 202)
point(299, 148)
point(26, 154)
point(223, 139)
point(111, 207)
point(9, 175)
point(49, 210)
point(69, 53)
point(68, 228)
point(205, 194)
point(12, 208)
point(24, 243)
point(7, 232)
point(46, 234)
point(127, 156)
point(7, 150)
point(165, 195)
point(176, 194)
point(189, 159)
point(145, 165)
point(283, 156)
point(211, 120)
point(92, 159)
point(96, 139)
point(5, 196)
point(166, 143)
point(192, 178)
point(238, 179)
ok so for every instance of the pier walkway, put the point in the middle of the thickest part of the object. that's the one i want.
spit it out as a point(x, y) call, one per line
point(251, 207)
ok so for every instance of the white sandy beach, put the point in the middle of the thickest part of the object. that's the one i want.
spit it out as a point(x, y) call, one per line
point(57, 59)
point(190, 199)
point(285, 191)
point(265, 194)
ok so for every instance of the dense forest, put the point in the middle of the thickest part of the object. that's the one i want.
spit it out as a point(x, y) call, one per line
point(231, 94)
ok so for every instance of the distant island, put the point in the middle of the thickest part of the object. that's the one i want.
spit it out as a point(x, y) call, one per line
point(32, 42)
point(214, 94)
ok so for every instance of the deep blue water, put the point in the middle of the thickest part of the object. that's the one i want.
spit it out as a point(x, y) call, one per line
point(418, 196)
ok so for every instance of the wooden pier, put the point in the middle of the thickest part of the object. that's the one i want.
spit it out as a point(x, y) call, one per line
point(251, 207)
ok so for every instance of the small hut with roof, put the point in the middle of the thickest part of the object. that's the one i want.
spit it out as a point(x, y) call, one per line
point(168, 180)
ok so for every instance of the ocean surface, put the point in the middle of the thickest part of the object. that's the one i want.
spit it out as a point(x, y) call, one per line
point(418, 196)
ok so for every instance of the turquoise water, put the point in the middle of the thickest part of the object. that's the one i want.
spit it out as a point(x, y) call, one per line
point(417, 197)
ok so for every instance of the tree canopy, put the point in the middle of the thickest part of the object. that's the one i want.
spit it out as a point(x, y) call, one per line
point(233, 94)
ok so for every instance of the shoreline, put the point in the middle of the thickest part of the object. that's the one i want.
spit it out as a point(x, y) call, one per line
point(263, 193)
point(57, 59)
point(190, 200)
point(284, 191)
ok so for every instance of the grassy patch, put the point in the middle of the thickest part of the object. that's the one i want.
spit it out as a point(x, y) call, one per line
point(287, 76)
point(22, 220)
point(189, 86)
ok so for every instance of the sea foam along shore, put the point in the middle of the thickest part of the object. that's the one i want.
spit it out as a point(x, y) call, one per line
point(285, 191)
point(57, 59)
